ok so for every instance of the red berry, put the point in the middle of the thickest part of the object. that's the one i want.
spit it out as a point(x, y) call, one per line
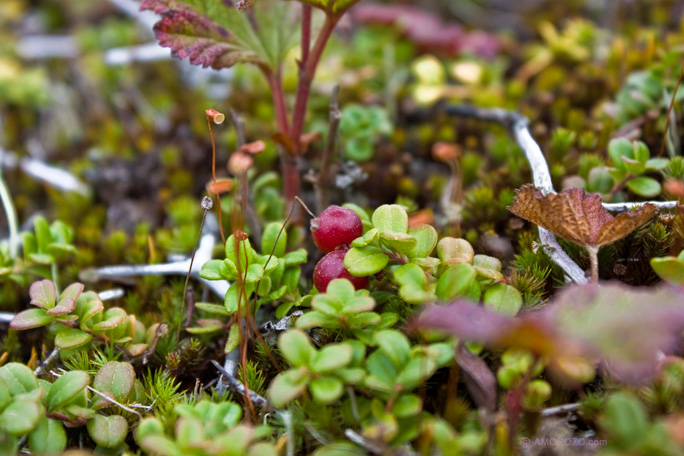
point(334, 227)
point(331, 267)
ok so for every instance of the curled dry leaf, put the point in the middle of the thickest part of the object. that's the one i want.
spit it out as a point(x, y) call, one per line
point(577, 216)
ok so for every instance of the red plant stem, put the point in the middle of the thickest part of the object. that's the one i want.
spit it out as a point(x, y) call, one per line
point(213, 175)
point(275, 83)
point(306, 75)
point(306, 31)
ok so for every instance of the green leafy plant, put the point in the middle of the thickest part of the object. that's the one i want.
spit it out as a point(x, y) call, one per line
point(76, 318)
point(670, 268)
point(631, 162)
point(360, 127)
point(273, 276)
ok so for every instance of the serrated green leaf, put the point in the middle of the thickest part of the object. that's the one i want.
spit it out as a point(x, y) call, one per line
point(365, 261)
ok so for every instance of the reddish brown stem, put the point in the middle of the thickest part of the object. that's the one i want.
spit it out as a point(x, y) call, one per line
point(275, 83)
point(306, 31)
point(306, 75)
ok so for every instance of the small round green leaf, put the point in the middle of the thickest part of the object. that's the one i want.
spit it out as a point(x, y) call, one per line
point(71, 338)
point(455, 281)
point(117, 378)
point(426, 240)
point(390, 217)
point(296, 347)
point(66, 388)
point(326, 389)
point(274, 239)
point(644, 186)
point(503, 298)
point(18, 378)
point(20, 417)
point(48, 438)
point(30, 318)
point(108, 431)
point(287, 386)
point(331, 357)
point(670, 269)
point(365, 261)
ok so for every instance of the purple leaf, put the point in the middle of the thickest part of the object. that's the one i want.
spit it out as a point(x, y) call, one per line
point(624, 326)
point(43, 294)
point(479, 379)
point(191, 32)
point(627, 328)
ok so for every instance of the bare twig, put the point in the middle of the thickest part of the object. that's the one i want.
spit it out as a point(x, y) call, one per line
point(323, 183)
point(519, 126)
point(560, 409)
point(51, 357)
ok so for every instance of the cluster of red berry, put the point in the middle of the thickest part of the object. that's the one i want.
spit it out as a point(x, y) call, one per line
point(332, 232)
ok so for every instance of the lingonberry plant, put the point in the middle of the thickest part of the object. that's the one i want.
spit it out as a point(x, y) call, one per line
point(334, 227)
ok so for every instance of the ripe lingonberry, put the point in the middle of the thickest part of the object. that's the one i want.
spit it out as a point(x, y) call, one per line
point(332, 267)
point(334, 227)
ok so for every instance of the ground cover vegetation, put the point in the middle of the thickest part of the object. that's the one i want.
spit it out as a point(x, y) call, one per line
point(341, 227)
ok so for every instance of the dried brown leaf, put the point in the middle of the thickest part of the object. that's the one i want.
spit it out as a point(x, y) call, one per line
point(577, 216)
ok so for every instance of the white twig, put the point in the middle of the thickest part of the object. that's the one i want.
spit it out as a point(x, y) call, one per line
point(560, 409)
point(518, 124)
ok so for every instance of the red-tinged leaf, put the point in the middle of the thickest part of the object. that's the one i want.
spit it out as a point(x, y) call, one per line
point(73, 291)
point(31, 318)
point(577, 216)
point(479, 378)
point(201, 41)
point(214, 33)
point(65, 306)
point(625, 327)
point(43, 294)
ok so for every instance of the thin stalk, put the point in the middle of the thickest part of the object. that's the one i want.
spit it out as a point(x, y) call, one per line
point(187, 278)
point(593, 258)
point(12, 223)
point(669, 110)
point(213, 176)
point(333, 126)
point(275, 83)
